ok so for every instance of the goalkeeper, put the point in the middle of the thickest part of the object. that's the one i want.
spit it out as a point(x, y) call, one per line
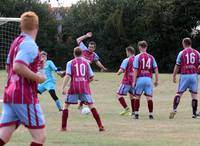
point(46, 67)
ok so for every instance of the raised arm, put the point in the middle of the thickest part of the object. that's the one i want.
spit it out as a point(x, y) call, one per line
point(81, 38)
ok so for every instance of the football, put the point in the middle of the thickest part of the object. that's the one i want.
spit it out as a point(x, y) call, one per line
point(85, 111)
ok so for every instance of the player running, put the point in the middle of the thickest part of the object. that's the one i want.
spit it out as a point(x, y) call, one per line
point(127, 82)
point(144, 65)
point(50, 83)
point(187, 62)
point(89, 54)
point(21, 104)
point(81, 74)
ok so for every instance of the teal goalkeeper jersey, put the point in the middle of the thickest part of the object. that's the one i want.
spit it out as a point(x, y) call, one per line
point(48, 69)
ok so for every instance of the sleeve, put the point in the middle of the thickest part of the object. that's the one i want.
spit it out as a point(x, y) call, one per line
point(91, 73)
point(135, 63)
point(178, 59)
point(52, 65)
point(68, 68)
point(124, 64)
point(82, 46)
point(28, 51)
point(96, 57)
point(199, 57)
point(154, 64)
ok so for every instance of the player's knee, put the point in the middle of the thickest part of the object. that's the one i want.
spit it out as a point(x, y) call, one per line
point(149, 98)
point(40, 138)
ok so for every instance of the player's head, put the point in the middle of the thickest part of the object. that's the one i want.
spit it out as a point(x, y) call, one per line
point(130, 51)
point(142, 45)
point(77, 52)
point(91, 46)
point(186, 42)
point(29, 22)
point(43, 55)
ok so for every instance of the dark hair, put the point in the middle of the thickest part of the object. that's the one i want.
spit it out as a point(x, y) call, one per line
point(142, 44)
point(92, 43)
point(43, 53)
point(187, 41)
point(130, 49)
point(77, 51)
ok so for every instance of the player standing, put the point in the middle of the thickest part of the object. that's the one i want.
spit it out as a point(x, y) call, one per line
point(21, 104)
point(81, 74)
point(144, 65)
point(187, 62)
point(50, 83)
point(127, 82)
point(89, 54)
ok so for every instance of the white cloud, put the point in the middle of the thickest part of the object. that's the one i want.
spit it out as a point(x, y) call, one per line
point(64, 3)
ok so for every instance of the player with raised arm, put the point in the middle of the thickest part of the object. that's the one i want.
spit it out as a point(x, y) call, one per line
point(89, 54)
point(50, 83)
point(81, 74)
point(127, 81)
point(187, 62)
point(144, 65)
point(21, 104)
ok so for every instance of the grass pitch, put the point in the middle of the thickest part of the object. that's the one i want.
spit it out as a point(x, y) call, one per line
point(120, 130)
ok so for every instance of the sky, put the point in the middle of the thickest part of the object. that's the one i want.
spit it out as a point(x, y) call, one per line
point(65, 3)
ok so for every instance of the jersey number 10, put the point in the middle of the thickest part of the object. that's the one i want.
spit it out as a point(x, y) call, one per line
point(190, 58)
point(80, 68)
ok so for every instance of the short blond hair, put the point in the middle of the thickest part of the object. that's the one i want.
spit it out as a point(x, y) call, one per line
point(29, 21)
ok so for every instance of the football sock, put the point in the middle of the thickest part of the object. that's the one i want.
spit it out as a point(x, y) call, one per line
point(132, 104)
point(2, 143)
point(176, 102)
point(81, 103)
point(150, 106)
point(137, 105)
point(35, 144)
point(96, 117)
point(64, 118)
point(123, 102)
point(194, 106)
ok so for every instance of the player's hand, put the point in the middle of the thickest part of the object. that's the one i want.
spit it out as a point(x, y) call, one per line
point(41, 78)
point(89, 34)
point(64, 92)
point(104, 69)
point(133, 84)
point(61, 73)
point(174, 79)
point(156, 83)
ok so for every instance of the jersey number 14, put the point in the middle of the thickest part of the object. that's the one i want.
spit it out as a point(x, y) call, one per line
point(146, 64)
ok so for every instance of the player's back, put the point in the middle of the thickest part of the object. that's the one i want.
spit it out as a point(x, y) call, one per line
point(145, 64)
point(189, 61)
point(80, 76)
point(128, 74)
point(20, 90)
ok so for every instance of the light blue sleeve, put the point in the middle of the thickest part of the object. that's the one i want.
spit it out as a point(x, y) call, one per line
point(135, 62)
point(82, 46)
point(96, 57)
point(91, 73)
point(124, 64)
point(154, 63)
point(199, 57)
point(28, 51)
point(52, 65)
point(68, 68)
point(178, 59)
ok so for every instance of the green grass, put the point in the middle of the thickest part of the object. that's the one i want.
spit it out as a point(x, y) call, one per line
point(120, 130)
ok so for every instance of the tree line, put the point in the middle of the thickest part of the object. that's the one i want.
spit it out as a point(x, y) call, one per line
point(115, 24)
